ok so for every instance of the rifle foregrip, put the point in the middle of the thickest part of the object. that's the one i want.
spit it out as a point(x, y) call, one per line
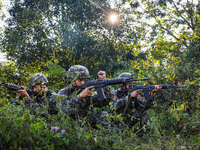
point(13, 87)
point(116, 81)
point(166, 86)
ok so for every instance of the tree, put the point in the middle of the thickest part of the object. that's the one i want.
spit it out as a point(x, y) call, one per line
point(170, 38)
point(66, 32)
point(78, 32)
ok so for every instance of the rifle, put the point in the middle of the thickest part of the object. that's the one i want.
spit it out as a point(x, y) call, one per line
point(146, 89)
point(14, 87)
point(99, 84)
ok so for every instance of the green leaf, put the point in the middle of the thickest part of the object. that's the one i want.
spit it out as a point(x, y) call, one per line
point(7, 137)
point(67, 142)
point(99, 126)
point(17, 122)
point(3, 125)
point(58, 135)
point(79, 135)
point(51, 147)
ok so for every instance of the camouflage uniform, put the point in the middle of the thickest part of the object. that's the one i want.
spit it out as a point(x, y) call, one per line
point(46, 101)
point(136, 110)
point(80, 107)
point(40, 101)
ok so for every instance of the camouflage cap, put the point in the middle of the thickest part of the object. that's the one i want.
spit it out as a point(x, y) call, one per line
point(77, 71)
point(37, 78)
point(125, 75)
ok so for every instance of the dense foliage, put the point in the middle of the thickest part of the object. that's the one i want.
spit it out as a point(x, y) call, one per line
point(156, 39)
point(174, 125)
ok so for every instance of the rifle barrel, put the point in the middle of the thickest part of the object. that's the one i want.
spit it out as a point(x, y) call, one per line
point(13, 86)
point(142, 79)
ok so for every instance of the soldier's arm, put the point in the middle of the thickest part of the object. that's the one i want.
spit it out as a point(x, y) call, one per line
point(23, 93)
point(52, 108)
point(120, 103)
point(66, 97)
point(31, 103)
point(157, 89)
point(140, 104)
point(28, 101)
point(147, 104)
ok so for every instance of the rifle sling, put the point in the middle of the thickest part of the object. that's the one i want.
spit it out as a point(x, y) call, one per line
point(127, 103)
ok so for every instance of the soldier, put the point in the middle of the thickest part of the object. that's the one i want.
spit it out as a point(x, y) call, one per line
point(40, 97)
point(77, 103)
point(122, 105)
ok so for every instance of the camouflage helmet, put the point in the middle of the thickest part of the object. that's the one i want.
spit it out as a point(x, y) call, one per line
point(37, 78)
point(77, 71)
point(125, 75)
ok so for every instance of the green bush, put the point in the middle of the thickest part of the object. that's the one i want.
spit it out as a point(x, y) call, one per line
point(174, 124)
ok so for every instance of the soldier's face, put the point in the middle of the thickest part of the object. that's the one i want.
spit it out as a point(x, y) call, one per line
point(130, 84)
point(36, 88)
point(125, 86)
point(80, 82)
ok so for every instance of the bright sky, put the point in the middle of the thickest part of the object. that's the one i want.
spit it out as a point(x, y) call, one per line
point(5, 4)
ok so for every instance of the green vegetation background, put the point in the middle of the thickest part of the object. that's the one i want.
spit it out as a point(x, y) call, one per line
point(161, 42)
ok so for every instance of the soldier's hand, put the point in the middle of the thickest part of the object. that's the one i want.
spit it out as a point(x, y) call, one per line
point(86, 92)
point(135, 93)
point(102, 75)
point(23, 93)
point(157, 89)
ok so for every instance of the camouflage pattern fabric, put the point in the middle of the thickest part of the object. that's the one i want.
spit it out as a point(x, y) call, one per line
point(37, 78)
point(125, 75)
point(43, 103)
point(71, 102)
point(135, 112)
point(77, 71)
point(102, 118)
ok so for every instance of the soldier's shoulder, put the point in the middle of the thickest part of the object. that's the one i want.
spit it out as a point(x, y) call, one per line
point(63, 91)
point(52, 92)
point(114, 92)
point(51, 95)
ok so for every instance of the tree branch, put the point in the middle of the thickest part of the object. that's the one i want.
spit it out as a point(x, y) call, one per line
point(182, 16)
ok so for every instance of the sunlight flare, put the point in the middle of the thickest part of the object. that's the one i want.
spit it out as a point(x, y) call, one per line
point(113, 18)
